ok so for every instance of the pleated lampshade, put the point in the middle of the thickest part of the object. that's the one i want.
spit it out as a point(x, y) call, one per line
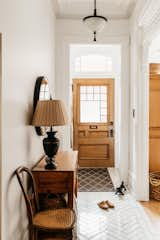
point(50, 113)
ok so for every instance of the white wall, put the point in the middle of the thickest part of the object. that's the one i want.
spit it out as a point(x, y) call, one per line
point(135, 55)
point(27, 29)
point(144, 25)
point(73, 32)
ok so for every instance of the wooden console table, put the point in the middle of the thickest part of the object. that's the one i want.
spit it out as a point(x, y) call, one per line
point(61, 180)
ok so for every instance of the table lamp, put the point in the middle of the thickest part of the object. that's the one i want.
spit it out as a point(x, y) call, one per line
point(50, 113)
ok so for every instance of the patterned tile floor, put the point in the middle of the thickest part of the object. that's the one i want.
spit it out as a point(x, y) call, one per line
point(94, 180)
point(127, 221)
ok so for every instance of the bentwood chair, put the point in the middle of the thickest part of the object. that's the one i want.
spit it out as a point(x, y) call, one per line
point(49, 222)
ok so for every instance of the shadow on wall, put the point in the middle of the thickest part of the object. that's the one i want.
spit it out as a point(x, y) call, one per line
point(16, 115)
point(16, 221)
point(29, 114)
point(20, 140)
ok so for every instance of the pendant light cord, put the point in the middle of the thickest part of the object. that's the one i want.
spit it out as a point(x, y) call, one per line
point(95, 13)
point(95, 10)
point(94, 4)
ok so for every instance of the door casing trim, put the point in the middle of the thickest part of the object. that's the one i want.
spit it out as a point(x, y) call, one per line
point(63, 58)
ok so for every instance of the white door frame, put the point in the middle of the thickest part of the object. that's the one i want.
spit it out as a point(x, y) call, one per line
point(0, 135)
point(76, 52)
point(149, 28)
point(63, 79)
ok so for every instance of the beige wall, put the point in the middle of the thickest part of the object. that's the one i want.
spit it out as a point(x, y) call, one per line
point(27, 28)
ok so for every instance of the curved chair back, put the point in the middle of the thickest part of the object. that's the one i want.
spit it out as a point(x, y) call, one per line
point(32, 201)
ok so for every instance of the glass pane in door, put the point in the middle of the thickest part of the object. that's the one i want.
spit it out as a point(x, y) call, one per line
point(93, 104)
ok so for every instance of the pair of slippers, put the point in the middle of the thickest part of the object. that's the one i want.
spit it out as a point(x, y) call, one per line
point(106, 205)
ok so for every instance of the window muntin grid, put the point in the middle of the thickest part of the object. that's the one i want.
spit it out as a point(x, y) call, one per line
point(44, 92)
point(93, 104)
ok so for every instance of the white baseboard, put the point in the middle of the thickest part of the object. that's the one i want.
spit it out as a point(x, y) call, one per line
point(132, 183)
point(115, 176)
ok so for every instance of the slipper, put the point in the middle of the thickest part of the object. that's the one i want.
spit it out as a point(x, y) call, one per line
point(103, 205)
point(110, 204)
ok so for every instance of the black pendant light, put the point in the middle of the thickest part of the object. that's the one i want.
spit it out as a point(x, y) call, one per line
point(95, 23)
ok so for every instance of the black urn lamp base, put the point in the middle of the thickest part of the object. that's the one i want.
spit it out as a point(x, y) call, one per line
point(51, 164)
point(51, 145)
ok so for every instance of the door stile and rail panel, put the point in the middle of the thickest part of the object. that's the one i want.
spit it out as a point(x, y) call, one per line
point(93, 122)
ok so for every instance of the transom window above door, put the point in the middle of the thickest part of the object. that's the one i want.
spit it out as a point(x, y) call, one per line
point(93, 104)
point(93, 64)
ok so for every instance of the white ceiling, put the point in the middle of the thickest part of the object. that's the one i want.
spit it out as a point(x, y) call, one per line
point(113, 9)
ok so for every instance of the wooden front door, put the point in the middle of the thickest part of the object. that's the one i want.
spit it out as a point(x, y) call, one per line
point(93, 122)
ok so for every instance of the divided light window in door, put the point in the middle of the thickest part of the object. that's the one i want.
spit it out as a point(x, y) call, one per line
point(93, 104)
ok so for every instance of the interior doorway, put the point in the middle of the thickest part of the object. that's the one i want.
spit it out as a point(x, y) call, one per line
point(154, 117)
point(98, 62)
point(154, 109)
point(93, 122)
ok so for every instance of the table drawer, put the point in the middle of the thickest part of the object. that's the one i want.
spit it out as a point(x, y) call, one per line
point(53, 182)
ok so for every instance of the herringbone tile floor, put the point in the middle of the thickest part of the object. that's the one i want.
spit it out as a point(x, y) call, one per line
point(127, 221)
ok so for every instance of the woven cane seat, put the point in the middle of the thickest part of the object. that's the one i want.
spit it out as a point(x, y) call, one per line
point(58, 219)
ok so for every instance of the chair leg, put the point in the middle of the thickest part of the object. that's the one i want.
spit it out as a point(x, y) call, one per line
point(71, 234)
point(33, 234)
